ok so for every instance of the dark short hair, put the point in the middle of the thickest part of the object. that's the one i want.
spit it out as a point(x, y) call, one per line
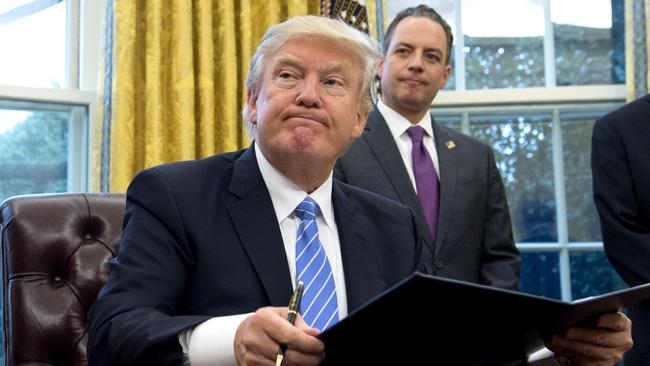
point(419, 11)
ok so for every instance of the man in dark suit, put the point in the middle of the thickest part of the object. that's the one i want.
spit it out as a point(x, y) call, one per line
point(620, 161)
point(473, 237)
point(208, 257)
point(467, 221)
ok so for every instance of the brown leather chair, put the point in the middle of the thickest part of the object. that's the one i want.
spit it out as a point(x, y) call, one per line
point(55, 249)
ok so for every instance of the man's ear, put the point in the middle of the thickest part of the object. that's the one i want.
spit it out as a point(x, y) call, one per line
point(379, 66)
point(359, 124)
point(445, 74)
point(251, 102)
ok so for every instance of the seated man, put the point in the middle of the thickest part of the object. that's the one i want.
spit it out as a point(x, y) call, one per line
point(211, 248)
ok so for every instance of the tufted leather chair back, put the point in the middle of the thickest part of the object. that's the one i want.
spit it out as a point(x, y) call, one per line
point(55, 249)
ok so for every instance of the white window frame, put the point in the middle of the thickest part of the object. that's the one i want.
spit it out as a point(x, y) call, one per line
point(483, 100)
point(83, 44)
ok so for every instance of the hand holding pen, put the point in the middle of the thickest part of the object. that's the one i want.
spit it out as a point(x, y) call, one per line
point(294, 304)
point(258, 336)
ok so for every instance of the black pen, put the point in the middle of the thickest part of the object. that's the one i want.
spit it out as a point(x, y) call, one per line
point(294, 303)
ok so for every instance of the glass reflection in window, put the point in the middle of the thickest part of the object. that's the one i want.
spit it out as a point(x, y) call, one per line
point(523, 151)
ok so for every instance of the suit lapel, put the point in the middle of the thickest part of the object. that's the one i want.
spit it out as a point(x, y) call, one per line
point(360, 276)
point(447, 163)
point(259, 232)
point(383, 145)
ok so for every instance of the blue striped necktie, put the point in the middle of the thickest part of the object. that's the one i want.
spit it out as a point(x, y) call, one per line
point(319, 306)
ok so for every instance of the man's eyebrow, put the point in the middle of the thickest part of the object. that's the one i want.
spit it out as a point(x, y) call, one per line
point(433, 49)
point(426, 49)
point(342, 67)
point(403, 44)
point(288, 60)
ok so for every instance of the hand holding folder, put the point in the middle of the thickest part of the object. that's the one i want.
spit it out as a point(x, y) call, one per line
point(437, 321)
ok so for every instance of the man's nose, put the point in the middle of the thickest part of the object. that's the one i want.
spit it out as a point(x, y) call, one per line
point(415, 62)
point(308, 93)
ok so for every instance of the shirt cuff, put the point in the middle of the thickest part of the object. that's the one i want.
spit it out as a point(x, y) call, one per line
point(212, 342)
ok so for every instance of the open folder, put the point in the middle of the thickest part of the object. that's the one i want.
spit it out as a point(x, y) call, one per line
point(426, 320)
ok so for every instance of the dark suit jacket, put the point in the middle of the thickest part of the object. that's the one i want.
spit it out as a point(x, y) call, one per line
point(620, 161)
point(474, 237)
point(201, 239)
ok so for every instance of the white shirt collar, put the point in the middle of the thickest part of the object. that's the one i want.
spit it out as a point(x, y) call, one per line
point(286, 195)
point(398, 124)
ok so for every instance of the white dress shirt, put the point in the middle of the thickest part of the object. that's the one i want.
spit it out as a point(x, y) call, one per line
point(212, 342)
point(398, 126)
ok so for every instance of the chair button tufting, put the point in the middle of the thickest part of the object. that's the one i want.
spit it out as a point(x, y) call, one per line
point(57, 279)
point(88, 236)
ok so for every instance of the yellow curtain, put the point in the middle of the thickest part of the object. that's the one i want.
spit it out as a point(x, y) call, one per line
point(637, 47)
point(176, 81)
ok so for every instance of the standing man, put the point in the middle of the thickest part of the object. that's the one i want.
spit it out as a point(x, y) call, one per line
point(211, 248)
point(620, 163)
point(449, 179)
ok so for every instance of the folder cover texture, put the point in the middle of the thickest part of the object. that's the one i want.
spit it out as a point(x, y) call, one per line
point(426, 320)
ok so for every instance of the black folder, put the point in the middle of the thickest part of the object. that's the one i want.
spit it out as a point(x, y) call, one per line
point(426, 320)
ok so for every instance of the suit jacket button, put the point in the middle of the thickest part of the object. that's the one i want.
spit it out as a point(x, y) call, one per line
point(439, 264)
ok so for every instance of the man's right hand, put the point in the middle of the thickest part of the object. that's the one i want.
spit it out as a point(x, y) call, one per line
point(259, 336)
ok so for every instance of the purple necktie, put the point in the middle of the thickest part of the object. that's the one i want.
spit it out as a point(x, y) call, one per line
point(426, 179)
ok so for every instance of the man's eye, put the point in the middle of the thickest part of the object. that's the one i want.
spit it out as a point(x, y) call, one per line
point(285, 75)
point(433, 56)
point(401, 51)
point(333, 82)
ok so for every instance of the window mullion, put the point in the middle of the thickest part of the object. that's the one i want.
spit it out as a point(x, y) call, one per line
point(549, 47)
point(459, 51)
point(561, 209)
point(72, 44)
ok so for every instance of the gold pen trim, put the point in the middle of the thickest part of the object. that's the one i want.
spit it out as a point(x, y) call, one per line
point(278, 360)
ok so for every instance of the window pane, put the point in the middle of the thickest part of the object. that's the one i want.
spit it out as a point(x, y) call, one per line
point(33, 151)
point(523, 153)
point(591, 274)
point(576, 146)
point(504, 43)
point(451, 121)
point(540, 274)
point(33, 33)
point(589, 49)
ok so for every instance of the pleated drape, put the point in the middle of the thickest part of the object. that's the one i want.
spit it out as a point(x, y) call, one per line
point(173, 81)
point(637, 44)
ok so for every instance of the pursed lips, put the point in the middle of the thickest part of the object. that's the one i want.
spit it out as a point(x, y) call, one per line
point(304, 118)
point(413, 82)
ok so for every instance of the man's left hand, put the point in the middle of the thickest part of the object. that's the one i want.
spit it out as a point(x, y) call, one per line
point(601, 345)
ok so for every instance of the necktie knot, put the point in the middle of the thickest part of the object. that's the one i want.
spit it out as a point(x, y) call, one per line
point(307, 209)
point(416, 133)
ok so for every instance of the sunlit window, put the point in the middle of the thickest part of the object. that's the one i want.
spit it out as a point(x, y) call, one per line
point(503, 49)
point(588, 49)
point(34, 34)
